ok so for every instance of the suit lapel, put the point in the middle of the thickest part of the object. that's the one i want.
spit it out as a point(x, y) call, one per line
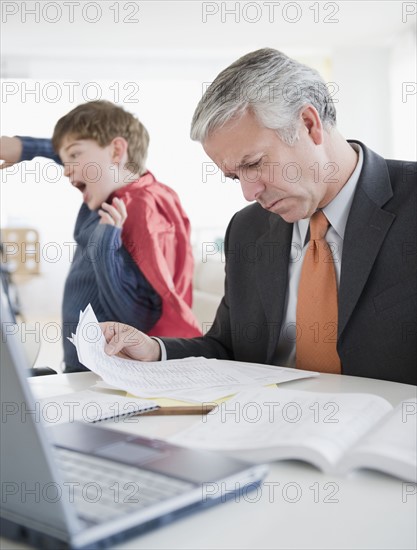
point(366, 228)
point(272, 275)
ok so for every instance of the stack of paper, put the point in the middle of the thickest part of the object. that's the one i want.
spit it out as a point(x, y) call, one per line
point(191, 379)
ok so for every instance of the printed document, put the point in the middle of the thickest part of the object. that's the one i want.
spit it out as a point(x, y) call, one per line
point(178, 379)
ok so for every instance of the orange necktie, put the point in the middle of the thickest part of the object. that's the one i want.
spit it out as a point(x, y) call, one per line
point(317, 304)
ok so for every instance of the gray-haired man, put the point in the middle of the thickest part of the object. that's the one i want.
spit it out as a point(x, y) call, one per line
point(269, 122)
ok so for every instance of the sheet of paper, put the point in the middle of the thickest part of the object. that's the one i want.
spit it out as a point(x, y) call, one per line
point(262, 375)
point(268, 374)
point(171, 378)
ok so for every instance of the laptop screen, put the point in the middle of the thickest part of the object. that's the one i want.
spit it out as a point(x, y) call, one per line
point(30, 488)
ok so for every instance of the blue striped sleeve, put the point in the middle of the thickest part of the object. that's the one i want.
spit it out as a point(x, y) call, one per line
point(124, 292)
point(37, 147)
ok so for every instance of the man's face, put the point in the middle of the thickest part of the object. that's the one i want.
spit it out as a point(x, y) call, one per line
point(283, 179)
point(90, 168)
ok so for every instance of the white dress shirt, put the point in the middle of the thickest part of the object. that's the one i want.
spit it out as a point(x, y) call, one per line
point(337, 212)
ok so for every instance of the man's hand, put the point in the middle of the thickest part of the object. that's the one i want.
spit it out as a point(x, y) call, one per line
point(128, 342)
point(10, 151)
point(114, 213)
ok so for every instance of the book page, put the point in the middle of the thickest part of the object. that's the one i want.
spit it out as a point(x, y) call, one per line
point(392, 446)
point(276, 423)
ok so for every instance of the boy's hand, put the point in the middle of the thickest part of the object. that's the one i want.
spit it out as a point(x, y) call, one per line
point(10, 151)
point(128, 342)
point(114, 213)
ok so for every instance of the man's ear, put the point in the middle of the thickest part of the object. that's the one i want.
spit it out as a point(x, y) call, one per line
point(119, 150)
point(312, 124)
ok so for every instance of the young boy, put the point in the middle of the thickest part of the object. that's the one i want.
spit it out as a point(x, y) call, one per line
point(133, 260)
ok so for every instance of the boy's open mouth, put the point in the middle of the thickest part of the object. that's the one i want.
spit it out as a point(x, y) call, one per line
point(82, 187)
point(79, 185)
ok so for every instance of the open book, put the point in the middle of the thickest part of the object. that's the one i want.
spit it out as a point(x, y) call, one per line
point(335, 432)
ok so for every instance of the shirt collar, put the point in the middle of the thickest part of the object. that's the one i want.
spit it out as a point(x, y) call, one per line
point(337, 211)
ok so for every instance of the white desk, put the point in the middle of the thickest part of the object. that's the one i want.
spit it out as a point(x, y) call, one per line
point(304, 509)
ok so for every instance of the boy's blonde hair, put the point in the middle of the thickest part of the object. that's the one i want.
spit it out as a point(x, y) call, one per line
point(102, 121)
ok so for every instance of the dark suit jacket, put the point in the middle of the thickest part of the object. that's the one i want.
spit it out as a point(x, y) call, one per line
point(377, 293)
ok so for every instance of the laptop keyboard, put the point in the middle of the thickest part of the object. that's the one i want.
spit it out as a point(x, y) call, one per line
point(102, 490)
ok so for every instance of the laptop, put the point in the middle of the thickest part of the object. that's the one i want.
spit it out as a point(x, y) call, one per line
point(82, 486)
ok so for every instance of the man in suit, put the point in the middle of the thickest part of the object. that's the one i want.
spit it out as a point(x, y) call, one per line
point(269, 122)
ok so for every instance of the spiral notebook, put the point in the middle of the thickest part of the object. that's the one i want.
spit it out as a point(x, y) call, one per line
point(91, 406)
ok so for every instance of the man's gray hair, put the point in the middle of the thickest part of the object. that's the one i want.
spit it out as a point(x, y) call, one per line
point(270, 84)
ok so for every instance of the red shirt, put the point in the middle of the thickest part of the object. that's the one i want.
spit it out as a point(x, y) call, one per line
point(156, 234)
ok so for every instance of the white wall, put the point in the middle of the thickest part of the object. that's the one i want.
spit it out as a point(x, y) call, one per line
point(364, 94)
point(403, 90)
point(169, 56)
